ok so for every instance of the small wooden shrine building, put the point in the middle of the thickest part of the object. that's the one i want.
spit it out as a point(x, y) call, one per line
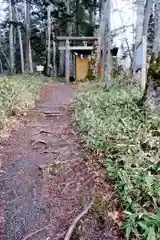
point(81, 48)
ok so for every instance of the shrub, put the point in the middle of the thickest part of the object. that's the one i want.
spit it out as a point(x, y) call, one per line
point(129, 135)
point(16, 94)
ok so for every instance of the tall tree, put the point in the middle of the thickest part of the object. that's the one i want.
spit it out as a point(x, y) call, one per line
point(11, 42)
point(107, 70)
point(151, 34)
point(101, 32)
point(28, 61)
point(140, 5)
point(152, 90)
point(20, 38)
point(48, 39)
point(77, 17)
point(147, 13)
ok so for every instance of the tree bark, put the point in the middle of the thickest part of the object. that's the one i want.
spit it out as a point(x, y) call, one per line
point(152, 91)
point(147, 13)
point(101, 32)
point(139, 31)
point(27, 37)
point(77, 17)
point(11, 42)
point(54, 58)
point(4, 55)
point(69, 25)
point(30, 58)
point(1, 66)
point(156, 47)
point(20, 40)
point(107, 70)
point(48, 39)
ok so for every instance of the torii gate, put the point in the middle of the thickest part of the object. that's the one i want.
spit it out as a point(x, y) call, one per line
point(68, 48)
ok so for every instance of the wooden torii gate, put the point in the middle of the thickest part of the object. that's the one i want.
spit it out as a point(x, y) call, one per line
point(69, 48)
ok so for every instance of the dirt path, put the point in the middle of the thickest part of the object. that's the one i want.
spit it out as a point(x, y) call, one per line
point(35, 197)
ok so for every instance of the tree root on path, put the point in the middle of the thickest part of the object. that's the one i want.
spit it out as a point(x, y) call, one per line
point(76, 220)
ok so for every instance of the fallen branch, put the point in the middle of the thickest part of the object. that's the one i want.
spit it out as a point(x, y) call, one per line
point(34, 233)
point(76, 220)
point(71, 228)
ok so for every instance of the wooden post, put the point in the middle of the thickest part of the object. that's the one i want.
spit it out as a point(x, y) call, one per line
point(61, 59)
point(67, 60)
point(144, 63)
point(74, 66)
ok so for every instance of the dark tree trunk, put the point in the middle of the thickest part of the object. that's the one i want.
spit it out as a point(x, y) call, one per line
point(152, 91)
point(77, 17)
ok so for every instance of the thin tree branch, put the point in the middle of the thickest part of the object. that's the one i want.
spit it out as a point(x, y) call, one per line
point(76, 220)
point(124, 31)
point(34, 233)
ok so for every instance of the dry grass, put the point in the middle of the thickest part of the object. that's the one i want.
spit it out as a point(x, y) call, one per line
point(17, 93)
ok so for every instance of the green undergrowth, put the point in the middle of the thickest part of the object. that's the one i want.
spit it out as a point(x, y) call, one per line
point(112, 120)
point(17, 93)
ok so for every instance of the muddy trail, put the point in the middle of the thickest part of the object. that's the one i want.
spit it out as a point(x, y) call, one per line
point(45, 182)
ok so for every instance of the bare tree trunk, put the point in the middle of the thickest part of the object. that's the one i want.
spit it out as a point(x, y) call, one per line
point(27, 28)
point(11, 43)
point(139, 30)
point(101, 31)
point(48, 39)
point(4, 55)
point(69, 25)
point(20, 40)
point(1, 66)
point(140, 20)
point(54, 58)
point(77, 17)
point(107, 71)
point(94, 11)
point(30, 58)
point(152, 91)
point(147, 13)
point(156, 47)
